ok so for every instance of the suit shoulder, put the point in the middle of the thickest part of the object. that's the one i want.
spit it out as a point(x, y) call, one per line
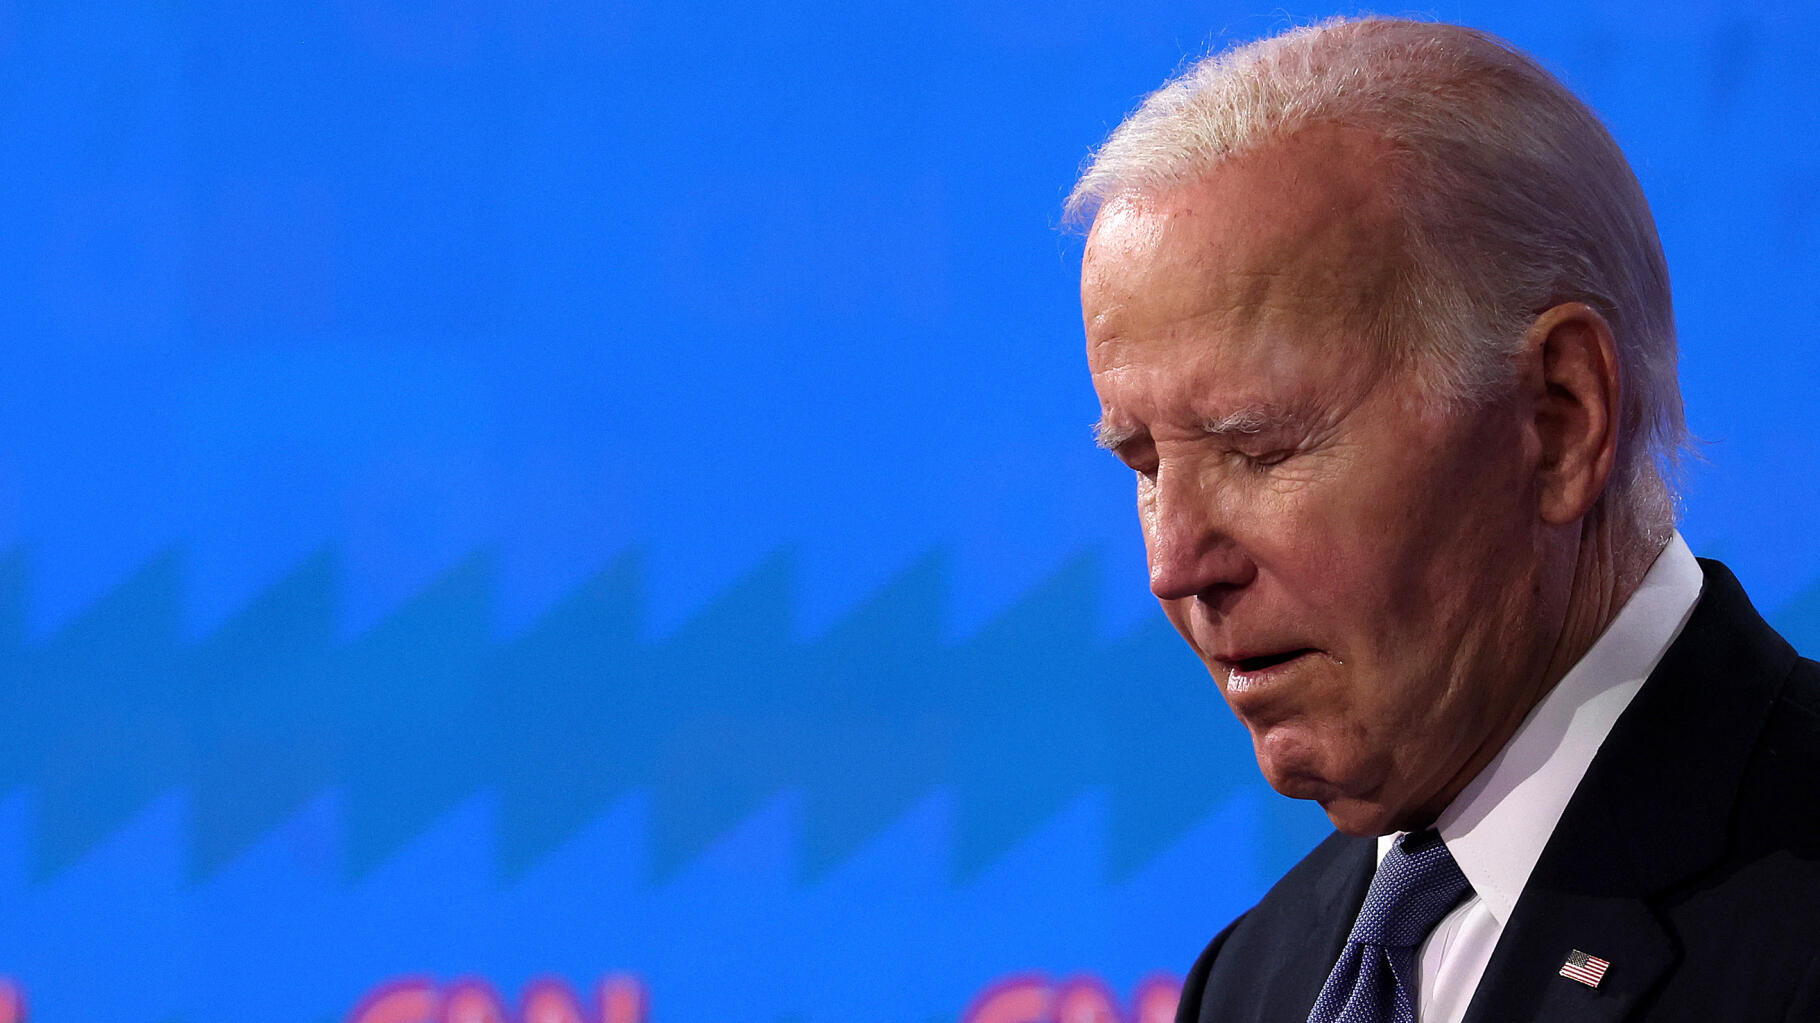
point(1747, 927)
point(1282, 948)
point(1801, 696)
point(1303, 894)
point(1336, 852)
point(1782, 787)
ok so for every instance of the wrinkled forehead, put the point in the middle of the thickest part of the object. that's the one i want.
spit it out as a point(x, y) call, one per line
point(1303, 226)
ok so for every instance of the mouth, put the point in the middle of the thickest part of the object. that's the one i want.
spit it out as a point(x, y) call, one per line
point(1251, 672)
point(1264, 662)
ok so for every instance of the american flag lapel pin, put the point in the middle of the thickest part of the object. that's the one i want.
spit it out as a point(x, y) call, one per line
point(1588, 970)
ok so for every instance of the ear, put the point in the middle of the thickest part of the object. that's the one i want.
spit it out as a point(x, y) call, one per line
point(1575, 380)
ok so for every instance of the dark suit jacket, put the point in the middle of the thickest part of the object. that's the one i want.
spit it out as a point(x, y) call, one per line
point(1689, 858)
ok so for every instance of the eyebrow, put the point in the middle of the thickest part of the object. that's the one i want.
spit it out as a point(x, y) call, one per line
point(1252, 419)
point(1112, 437)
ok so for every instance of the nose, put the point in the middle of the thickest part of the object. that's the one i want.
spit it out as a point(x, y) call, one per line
point(1189, 539)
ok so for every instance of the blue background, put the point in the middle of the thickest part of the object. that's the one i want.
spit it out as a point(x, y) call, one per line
point(565, 487)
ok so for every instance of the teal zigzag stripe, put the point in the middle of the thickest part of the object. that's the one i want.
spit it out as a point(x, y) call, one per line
point(428, 707)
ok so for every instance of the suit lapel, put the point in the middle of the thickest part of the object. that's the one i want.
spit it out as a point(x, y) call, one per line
point(1646, 817)
point(1587, 903)
point(1292, 970)
point(1345, 885)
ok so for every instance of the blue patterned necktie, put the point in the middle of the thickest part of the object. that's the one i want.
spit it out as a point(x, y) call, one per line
point(1375, 980)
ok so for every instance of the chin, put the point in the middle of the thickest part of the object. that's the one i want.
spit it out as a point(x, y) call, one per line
point(1359, 818)
point(1293, 769)
point(1295, 763)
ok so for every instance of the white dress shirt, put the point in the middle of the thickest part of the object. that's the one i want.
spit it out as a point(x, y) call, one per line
point(1498, 824)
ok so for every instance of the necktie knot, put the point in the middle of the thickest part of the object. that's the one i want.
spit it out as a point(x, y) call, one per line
point(1416, 885)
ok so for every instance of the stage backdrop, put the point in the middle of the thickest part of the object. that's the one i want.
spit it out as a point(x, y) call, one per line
point(585, 509)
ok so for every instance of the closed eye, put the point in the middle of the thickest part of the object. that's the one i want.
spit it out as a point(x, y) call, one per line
point(1265, 460)
point(1142, 462)
point(1138, 453)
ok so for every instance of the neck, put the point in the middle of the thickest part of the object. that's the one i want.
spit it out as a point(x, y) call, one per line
point(1610, 561)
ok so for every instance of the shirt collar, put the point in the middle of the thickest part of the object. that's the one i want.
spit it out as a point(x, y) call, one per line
point(1496, 827)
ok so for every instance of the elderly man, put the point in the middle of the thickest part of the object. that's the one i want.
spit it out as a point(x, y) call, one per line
point(1377, 315)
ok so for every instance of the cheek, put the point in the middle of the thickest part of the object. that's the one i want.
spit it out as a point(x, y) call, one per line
point(1336, 558)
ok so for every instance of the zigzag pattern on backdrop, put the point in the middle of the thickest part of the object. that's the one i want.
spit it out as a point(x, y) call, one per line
point(279, 933)
point(420, 712)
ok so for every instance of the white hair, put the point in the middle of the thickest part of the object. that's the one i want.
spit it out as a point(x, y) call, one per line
point(1513, 197)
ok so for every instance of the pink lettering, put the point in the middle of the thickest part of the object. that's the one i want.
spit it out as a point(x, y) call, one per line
point(621, 998)
point(1025, 998)
point(472, 1001)
point(1156, 999)
point(12, 1002)
point(1085, 1000)
point(550, 1001)
point(1031, 998)
point(405, 1000)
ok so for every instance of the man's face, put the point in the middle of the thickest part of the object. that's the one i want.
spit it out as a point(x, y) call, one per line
point(1357, 566)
